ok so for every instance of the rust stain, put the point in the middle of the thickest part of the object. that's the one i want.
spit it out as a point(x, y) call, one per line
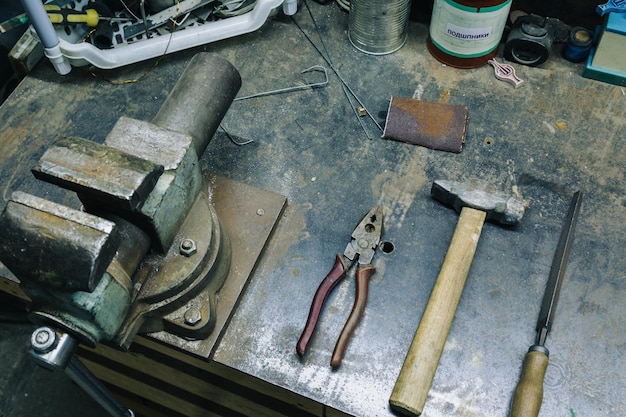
point(12, 137)
point(433, 121)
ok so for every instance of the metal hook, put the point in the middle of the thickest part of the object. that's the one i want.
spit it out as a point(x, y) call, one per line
point(295, 88)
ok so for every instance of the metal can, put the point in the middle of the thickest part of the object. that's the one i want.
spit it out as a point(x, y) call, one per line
point(378, 27)
point(578, 44)
point(465, 33)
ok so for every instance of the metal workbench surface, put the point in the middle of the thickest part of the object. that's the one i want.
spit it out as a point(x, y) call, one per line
point(556, 134)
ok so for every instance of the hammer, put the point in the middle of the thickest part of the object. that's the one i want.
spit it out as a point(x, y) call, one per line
point(476, 202)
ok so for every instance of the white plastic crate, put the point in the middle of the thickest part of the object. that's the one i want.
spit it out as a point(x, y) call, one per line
point(191, 30)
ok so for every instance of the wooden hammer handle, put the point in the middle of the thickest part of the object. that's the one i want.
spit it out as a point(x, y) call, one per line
point(416, 376)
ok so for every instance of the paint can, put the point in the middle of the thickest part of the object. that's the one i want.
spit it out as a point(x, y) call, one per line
point(466, 33)
point(378, 27)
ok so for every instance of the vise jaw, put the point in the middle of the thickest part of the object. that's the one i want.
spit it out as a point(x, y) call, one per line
point(144, 173)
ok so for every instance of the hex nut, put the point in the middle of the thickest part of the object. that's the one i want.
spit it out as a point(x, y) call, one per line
point(187, 247)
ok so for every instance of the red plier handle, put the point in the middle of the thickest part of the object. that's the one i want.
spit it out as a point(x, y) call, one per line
point(363, 275)
point(335, 275)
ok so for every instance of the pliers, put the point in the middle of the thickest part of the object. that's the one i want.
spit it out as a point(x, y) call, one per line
point(360, 251)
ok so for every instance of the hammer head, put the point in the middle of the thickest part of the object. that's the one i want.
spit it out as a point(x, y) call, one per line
point(500, 207)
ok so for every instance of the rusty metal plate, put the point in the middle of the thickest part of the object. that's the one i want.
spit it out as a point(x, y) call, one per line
point(439, 126)
point(249, 215)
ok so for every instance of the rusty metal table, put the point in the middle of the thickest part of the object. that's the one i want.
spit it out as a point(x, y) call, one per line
point(556, 134)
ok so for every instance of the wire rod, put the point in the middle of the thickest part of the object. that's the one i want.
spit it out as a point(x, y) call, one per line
point(232, 139)
point(294, 88)
point(326, 58)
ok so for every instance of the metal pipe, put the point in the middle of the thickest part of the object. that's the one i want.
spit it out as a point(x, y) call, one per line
point(55, 350)
point(45, 31)
point(96, 389)
point(199, 100)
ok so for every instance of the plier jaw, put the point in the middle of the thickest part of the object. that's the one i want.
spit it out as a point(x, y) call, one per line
point(361, 249)
point(366, 237)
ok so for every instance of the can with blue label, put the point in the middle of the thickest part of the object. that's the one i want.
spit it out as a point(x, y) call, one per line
point(465, 33)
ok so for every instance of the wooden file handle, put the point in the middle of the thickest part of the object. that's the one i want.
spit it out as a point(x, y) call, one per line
point(529, 391)
point(416, 376)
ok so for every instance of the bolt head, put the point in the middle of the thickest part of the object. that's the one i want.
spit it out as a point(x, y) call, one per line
point(192, 316)
point(187, 247)
point(43, 339)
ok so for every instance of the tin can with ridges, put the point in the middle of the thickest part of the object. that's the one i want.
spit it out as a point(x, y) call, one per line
point(378, 27)
point(465, 33)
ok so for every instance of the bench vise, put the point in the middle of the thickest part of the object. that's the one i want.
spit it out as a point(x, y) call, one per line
point(147, 243)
